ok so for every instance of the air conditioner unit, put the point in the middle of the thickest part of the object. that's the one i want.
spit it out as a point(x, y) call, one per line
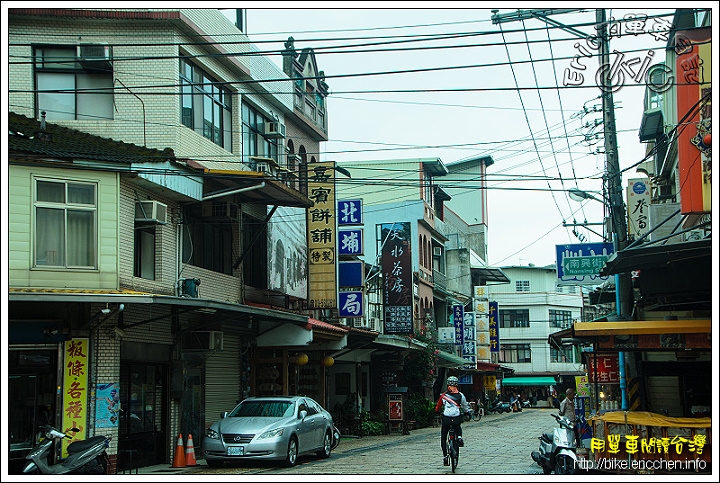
point(437, 252)
point(263, 167)
point(373, 323)
point(150, 212)
point(275, 129)
point(95, 56)
point(203, 340)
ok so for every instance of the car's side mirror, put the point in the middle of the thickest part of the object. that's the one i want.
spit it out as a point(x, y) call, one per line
point(224, 414)
point(302, 414)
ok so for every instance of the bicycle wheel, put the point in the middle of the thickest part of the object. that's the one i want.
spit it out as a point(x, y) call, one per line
point(454, 454)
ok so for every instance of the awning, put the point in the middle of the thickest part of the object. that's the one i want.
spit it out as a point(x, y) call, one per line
point(659, 256)
point(250, 186)
point(637, 327)
point(450, 361)
point(487, 274)
point(529, 381)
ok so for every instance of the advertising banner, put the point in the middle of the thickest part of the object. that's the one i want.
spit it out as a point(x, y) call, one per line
point(396, 262)
point(322, 241)
point(75, 390)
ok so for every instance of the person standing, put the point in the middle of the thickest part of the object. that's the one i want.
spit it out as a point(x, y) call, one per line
point(567, 409)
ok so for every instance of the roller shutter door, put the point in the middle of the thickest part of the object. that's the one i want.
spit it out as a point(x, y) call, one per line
point(222, 379)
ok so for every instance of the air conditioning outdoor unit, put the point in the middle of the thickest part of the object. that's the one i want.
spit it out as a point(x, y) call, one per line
point(275, 129)
point(437, 252)
point(263, 167)
point(95, 56)
point(203, 340)
point(150, 212)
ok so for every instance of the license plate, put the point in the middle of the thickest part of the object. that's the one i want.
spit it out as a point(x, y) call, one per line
point(236, 450)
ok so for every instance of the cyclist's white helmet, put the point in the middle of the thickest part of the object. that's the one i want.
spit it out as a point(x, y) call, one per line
point(452, 381)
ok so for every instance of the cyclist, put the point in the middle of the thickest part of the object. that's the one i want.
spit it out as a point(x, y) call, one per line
point(453, 405)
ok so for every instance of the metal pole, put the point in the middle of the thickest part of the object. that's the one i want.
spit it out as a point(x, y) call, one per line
point(614, 188)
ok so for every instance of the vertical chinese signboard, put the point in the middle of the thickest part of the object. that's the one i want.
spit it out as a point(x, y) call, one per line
point(638, 206)
point(396, 265)
point(75, 395)
point(693, 82)
point(322, 241)
point(482, 323)
point(494, 328)
point(458, 314)
point(469, 346)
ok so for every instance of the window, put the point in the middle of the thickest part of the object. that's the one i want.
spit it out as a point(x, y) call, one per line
point(255, 253)
point(514, 318)
point(207, 244)
point(560, 318)
point(515, 353)
point(206, 107)
point(145, 252)
point(522, 285)
point(569, 354)
point(65, 224)
point(87, 87)
point(254, 141)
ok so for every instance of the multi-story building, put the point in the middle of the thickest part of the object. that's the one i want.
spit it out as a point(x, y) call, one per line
point(530, 308)
point(661, 355)
point(145, 153)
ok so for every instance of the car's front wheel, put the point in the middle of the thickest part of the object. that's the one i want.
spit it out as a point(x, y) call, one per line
point(292, 452)
point(327, 445)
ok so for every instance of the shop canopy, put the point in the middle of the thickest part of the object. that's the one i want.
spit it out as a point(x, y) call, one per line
point(529, 381)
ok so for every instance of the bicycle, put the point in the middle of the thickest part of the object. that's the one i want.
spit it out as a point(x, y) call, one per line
point(453, 447)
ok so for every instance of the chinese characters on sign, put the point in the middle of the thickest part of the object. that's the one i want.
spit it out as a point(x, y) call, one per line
point(350, 212)
point(75, 395)
point(351, 304)
point(482, 323)
point(322, 237)
point(608, 369)
point(580, 263)
point(350, 241)
point(638, 204)
point(458, 315)
point(494, 327)
point(469, 345)
point(397, 272)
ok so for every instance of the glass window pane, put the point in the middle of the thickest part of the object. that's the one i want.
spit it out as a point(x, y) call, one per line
point(81, 240)
point(57, 105)
point(50, 237)
point(50, 191)
point(95, 104)
point(81, 193)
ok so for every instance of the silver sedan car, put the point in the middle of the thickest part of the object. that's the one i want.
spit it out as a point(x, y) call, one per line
point(270, 428)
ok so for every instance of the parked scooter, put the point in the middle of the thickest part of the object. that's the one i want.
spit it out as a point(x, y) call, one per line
point(498, 406)
point(84, 457)
point(558, 449)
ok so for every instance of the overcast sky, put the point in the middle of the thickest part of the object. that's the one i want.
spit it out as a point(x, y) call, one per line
point(538, 138)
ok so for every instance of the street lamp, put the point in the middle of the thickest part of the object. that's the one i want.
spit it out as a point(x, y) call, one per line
point(580, 195)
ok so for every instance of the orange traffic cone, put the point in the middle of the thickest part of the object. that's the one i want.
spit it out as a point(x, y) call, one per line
point(179, 460)
point(190, 452)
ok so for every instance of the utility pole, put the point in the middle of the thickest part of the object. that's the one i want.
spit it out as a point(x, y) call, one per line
point(613, 177)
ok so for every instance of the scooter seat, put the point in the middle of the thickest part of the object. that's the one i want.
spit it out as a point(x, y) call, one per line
point(79, 446)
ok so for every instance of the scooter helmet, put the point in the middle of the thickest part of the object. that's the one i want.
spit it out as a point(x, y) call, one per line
point(452, 381)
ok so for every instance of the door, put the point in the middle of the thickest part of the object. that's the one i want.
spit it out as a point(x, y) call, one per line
point(32, 389)
point(142, 426)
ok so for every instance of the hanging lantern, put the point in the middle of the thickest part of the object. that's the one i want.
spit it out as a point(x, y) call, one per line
point(301, 359)
point(327, 361)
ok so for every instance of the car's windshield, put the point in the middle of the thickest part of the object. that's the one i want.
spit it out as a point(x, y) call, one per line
point(264, 409)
